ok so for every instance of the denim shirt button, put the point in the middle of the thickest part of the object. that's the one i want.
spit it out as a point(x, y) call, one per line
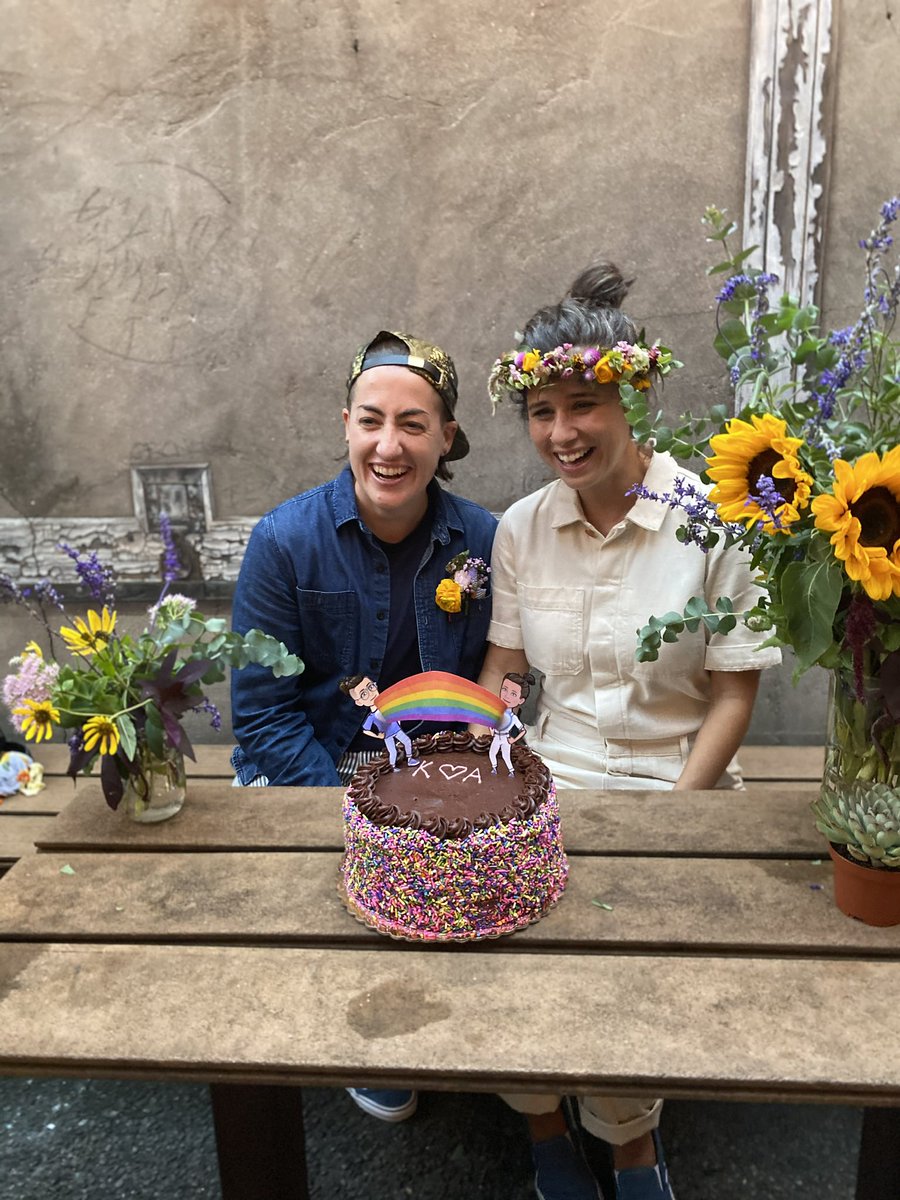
point(381, 614)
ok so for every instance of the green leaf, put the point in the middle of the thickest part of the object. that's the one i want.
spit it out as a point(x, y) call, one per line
point(731, 337)
point(154, 731)
point(721, 234)
point(127, 734)
point(810, 594)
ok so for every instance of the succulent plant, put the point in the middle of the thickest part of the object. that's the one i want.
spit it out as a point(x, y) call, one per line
point(864, 817)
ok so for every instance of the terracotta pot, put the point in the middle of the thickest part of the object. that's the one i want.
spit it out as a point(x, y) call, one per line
point(867, 893)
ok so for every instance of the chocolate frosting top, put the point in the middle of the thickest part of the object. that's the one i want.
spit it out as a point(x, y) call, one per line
point(452, 792)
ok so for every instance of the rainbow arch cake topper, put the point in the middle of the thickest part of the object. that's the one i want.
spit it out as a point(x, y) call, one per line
point(440, 696)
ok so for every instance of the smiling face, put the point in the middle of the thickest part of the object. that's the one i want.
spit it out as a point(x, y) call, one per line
point(365, 694)
point(510, 693)
point(579, 429)
point(396, 431)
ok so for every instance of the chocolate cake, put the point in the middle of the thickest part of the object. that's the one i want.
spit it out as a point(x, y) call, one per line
point(446, 850)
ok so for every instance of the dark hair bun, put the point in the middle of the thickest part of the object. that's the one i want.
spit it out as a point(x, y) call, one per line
point(601, 285)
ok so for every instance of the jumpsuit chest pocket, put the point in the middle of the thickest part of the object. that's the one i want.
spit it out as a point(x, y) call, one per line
point(329, 626)
point(552, 627)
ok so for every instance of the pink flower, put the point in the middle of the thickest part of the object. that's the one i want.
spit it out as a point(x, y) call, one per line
point(32, 681)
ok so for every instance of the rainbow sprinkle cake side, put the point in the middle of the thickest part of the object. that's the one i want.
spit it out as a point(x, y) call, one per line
point(409, 883)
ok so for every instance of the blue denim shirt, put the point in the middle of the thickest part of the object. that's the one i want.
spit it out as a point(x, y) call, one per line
point(314, 577)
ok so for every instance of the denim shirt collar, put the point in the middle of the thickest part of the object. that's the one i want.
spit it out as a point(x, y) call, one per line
point(446, 516)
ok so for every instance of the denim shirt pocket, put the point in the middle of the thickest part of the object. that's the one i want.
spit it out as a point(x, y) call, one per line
point(329, 628)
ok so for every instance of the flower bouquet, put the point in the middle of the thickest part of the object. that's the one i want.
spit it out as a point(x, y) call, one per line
point(806, 477)
point(467, 579)
point(122, 697)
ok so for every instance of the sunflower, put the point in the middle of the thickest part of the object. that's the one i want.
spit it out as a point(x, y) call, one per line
point(38, 717)
point(84, 639)
point(862, 514)
point(742, 455)
point(101, 729)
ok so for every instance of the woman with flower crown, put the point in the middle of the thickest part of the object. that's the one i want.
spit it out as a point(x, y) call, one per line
point(576, 569)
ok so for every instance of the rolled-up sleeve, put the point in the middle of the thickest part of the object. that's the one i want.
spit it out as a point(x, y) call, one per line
point(506, 627)
point(729, 574)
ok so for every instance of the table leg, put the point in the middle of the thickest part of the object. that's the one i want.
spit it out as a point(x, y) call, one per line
point(260, 1141)
point(878, 1173)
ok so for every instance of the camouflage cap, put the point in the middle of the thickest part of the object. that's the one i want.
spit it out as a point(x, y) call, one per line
point(424, 359)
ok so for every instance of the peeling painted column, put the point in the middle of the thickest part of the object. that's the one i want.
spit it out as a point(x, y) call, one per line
point(789, 123)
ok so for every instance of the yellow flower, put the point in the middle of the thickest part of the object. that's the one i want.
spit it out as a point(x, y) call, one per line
point(641, 385)
point(603, 372)
point(101, 729)
point(448, 596)
point(531, 360)
point(38, 717)
point(743, 454)
point(84, 640)
point(33, 648)
point(862, 513)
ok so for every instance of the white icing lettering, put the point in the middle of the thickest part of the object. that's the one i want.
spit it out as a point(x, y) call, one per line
point(473, 776)
point(422, 769)
point(452, 770)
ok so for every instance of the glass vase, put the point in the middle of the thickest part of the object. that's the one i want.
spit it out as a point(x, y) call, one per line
point(863, 742)
point(861, 792)
point(156, 792)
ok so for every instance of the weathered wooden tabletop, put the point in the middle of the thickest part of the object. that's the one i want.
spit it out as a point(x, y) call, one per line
point(697, 952)
point(698, 933)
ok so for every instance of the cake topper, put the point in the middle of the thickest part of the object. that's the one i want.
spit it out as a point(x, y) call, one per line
point(363, 691)
point(514, 689)
point(440, 696)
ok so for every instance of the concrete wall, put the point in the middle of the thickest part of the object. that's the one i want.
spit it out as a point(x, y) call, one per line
point(207, 204)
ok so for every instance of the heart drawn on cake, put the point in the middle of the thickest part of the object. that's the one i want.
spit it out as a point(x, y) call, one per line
point(452, 770)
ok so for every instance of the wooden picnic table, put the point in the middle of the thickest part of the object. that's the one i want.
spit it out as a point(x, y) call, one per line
point(697, 953)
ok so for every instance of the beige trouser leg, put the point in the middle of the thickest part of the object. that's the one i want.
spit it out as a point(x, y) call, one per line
point(615, 1119)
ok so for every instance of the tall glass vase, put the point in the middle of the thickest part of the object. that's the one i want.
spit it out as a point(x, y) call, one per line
point(863, 744)
point(859, 804)
point(157, 791)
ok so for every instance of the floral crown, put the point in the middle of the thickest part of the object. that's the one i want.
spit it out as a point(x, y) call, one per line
point(622, 363)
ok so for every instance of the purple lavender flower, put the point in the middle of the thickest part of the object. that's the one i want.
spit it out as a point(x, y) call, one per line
point(171, 561)
point(703, 521)
point(731, 286)
point(761, 283)
point(10, 592)
point(97, 577)
point(215, 717)
point(45, 593)
point(769, 500)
